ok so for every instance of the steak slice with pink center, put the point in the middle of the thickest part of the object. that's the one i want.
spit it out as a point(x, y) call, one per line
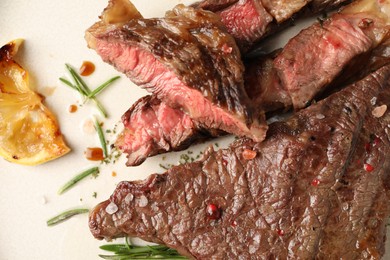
point(187, 60)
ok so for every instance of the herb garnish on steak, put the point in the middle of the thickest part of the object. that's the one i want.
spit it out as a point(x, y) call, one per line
point(306, 194)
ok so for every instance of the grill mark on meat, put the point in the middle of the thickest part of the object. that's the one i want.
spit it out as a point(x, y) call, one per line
point(301, 65)
point(278, 210)
point(187, 60)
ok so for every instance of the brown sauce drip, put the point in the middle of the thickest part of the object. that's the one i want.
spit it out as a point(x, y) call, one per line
point(87, 68)
point(72, 108)
point(94, 154)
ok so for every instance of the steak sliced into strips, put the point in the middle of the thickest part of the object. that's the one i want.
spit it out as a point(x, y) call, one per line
point(251, 20)
point(152, 127)
point(308, 64)
point(187, 60)
point(322, 175)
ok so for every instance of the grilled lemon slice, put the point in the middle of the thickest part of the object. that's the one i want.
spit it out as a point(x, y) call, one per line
point(29, 133)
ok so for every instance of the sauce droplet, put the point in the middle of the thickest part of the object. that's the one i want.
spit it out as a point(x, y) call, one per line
point(315, 182)
point(72, 108)
point(87, 68)
point(94, 154)
point(213, 212)
point(113, 174)
point(368, 167)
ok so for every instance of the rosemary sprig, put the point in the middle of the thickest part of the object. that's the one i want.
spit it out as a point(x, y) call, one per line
point(101, 138)
point(65, 215)
point(102, 87)
point(128, 251)
point(80, 86)
point(77, 178)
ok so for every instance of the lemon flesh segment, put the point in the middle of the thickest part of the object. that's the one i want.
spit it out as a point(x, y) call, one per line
point(29, 132)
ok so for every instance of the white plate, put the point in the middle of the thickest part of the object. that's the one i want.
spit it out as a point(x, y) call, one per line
point(54, 35)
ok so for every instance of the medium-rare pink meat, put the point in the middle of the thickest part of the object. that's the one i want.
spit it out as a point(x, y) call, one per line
point(324, 54)
point(152, 127)
point(188, 61)
point(316, 188)
point(251, 20)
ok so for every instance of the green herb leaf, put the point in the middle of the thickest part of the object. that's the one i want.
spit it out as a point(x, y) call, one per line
point(66, 82)
point(77, 178)
point(101, 138)
point(66, 215)
point(81, 87)
point(128, 251)
point(102, 87)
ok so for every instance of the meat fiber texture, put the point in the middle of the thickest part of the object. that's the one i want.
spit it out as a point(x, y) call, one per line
point(251, 20)
point(316, 188)
point(151, 127)
point(320, 56)
point(188, 61)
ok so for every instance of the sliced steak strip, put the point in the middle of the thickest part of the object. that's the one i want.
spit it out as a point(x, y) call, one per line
point(251, 20)
point(325, 54)
point(188, 61)
point(152, 127)
point(320, 176)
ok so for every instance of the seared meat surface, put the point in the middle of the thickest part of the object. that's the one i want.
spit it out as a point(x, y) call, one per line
point(187, 60)
point(316, 188)
point(325, 54)
point(251, 20)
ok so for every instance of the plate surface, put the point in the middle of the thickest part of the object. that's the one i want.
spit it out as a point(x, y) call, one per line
point(54, 35)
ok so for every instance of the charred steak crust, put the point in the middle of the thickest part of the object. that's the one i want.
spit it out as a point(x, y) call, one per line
point(317, 187)
point(321, 57)
point(189, 61)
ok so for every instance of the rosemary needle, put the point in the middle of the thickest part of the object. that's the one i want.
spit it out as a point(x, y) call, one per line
point(101, 138)
point(81, 87)
point(127, 251)
point(102, 87)
point(65, 215)
point(77, 178)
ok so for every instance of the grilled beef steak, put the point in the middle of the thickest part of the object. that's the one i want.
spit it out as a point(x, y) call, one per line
point(324, 54)
point(188, 61)
point(251, 20)
point(316, 188)
point(152, 127)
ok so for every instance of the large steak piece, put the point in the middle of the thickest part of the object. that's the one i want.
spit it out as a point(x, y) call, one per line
point(316, 188)
point(324, 54)
point(188, 60)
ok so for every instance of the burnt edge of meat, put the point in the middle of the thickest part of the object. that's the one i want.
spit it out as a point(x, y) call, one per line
point(307, 184)
point(217, 75)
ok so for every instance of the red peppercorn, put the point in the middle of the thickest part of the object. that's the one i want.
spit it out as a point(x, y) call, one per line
point(315, 182)
point(234, 223)
point(280, 232)
point(213, 212)
point(368, 167)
